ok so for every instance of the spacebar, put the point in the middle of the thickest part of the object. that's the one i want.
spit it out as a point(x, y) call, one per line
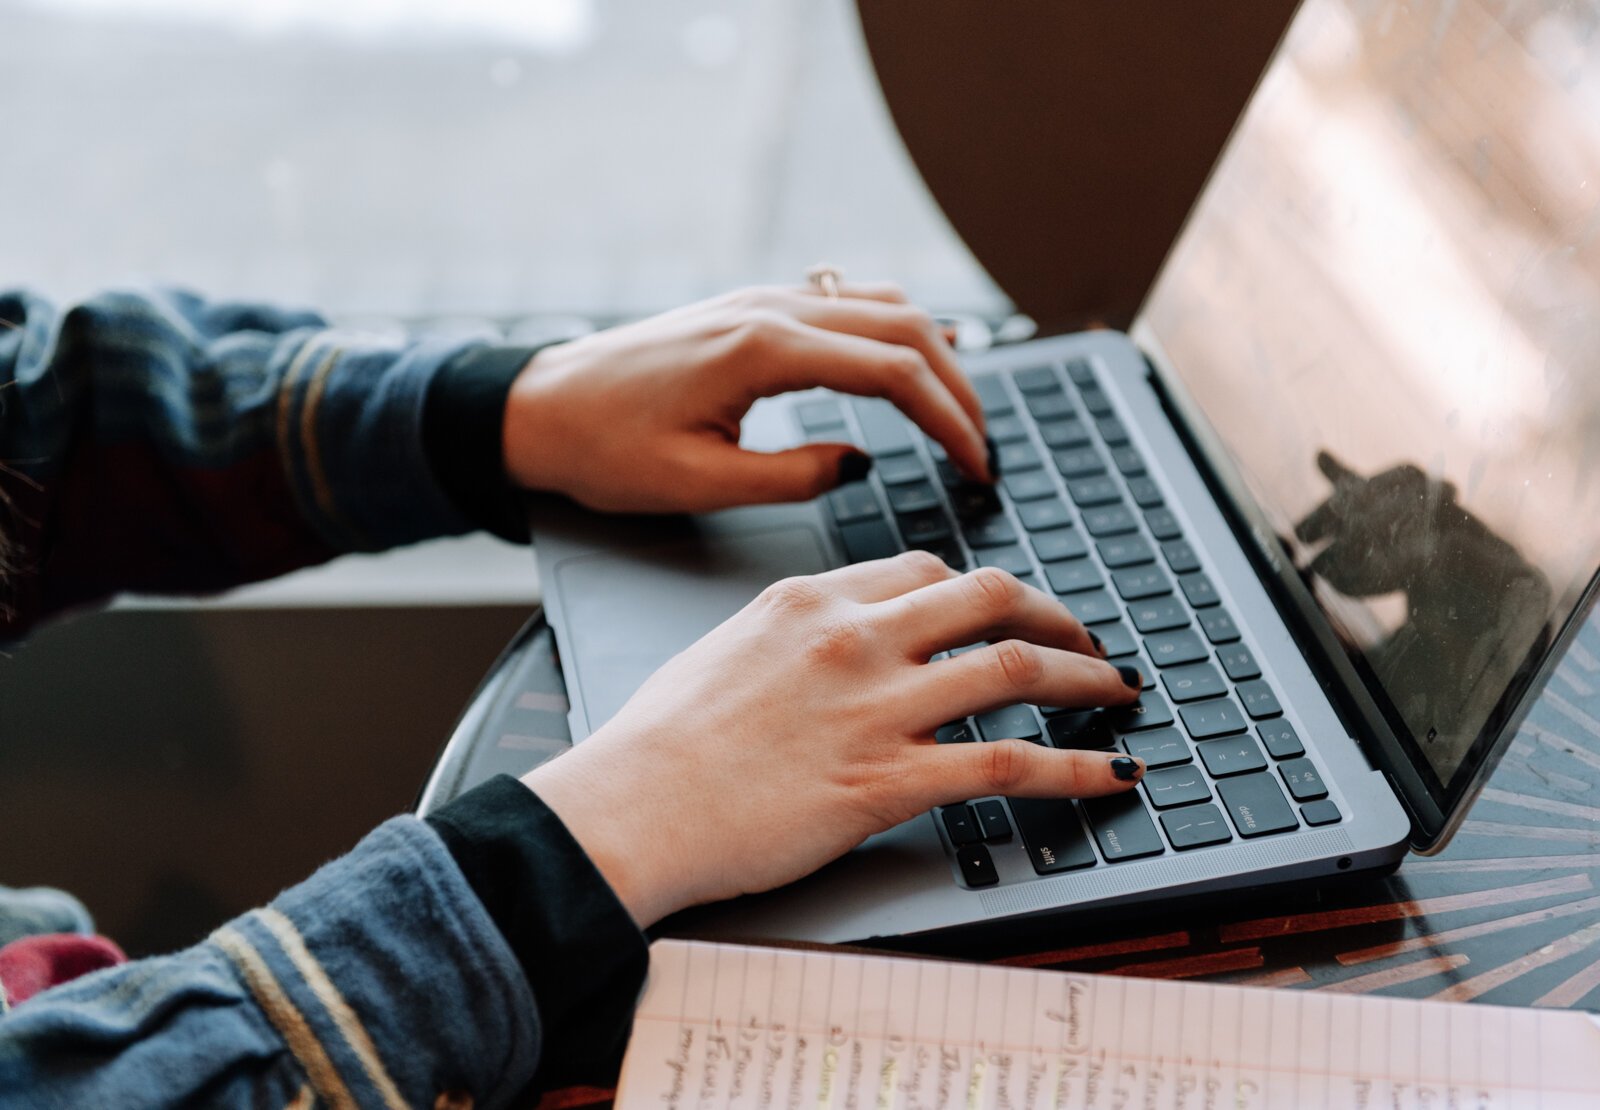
point(868, 539)
point(1054, 836)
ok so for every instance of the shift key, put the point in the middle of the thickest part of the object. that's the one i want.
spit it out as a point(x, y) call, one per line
point(1123, 827)
point(1054, 837)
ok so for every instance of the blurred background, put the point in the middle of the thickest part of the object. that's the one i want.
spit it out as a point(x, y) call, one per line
point(546, 163)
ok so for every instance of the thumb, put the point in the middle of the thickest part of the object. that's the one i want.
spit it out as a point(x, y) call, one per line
point(1015, 768)
point(798, 474)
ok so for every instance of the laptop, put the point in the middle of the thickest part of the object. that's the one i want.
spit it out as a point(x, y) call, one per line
point(1331, 495)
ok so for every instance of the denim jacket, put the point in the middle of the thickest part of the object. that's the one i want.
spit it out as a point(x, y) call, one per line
point(157, 442)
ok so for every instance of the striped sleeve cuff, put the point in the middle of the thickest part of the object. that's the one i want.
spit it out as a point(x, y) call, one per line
point(350, 433)
point(387, 980)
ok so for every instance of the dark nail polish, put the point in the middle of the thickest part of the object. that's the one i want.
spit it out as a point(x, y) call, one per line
point(1131, 677)
point(994, 457)
point(1124, 768)
point(1098, 646)
point(854, 467)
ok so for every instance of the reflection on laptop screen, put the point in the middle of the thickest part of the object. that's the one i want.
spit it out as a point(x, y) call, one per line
point(1388, 306)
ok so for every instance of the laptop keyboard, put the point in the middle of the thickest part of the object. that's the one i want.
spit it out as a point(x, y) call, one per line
point(1077, 514)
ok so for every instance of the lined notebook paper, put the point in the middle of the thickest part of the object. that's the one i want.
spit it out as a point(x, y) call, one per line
point(732, 1026)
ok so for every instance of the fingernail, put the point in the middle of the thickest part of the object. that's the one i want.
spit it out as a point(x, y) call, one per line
point(1125, 768)
point(1131, 678)
point(854, 467)
point(994, 457)
point(1098, 646)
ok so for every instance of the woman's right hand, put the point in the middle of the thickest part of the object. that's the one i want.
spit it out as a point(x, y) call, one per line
point(805, 723)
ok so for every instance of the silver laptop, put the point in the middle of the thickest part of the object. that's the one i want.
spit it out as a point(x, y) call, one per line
point(1333, 495)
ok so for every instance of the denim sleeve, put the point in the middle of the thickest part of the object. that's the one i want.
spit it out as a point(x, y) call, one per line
point(380, 981)
point(161, 443)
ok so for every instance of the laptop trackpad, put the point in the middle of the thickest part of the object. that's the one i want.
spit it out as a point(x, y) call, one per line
point(627, 612)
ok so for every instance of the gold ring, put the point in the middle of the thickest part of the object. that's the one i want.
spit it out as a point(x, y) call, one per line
point(825, 279)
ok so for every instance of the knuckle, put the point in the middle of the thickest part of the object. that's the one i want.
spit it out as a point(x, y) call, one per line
point(834, 641)
point(925, 565)
point(905, 368)
point(1019, 664)
point(762, 328)
point(1004, 765)
point(793, 596)
point(993, 591)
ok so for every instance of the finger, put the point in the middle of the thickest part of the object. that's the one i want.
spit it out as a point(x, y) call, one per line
point(882, 579)
point(886, 291)
point(741, 477)
point(1013, 672)
point(987, 604)
point(945, 773)
point(796, 357)
point(894, 322)
point(1334, 470)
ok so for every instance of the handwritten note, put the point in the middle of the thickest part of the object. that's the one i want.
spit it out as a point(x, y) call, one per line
point(723, 1026)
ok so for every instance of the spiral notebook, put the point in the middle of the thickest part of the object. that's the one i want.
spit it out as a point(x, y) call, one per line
point(732, 1026)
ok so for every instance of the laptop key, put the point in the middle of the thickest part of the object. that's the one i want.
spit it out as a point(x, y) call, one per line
point(1236, 755)
point(1062, 543)
point(883, 429)
point(1080, 372)
point(924, 527)
point(1093, 607)
point(897, 470)
point(1122, 827)
point(1176, 786)
point(1112, 431)
point(853, 502)
point(1037, 379)
point(1180, 556)
point(1195, 827)
point(1193, 682)
point(1158, 748)
point(1089, 492)
point(868, 539)
point(1150, 711)
point(992, 394)
point(1109, 520)
point(956, 732)
point(1030, 485)
point(947, 549)
point(1061, 435)
point(992, 821)
point(1281, 740)
point(1146, 494)
point(1199, 590)
point(818, 415)
point(914, 497)
point(1162, 524)
point(1219, 626)
point(1256, 805)
point(1073, 576)
point(1302, 779)
point(1052, 834)
point(1084, 729)
point(1018, 456)
point(1079, 462)
point(972, 500)
point(1133, 583)
point(1014, 722)
point(1126, 551)
point(1095, 400)
point(989, 531)
point(1170, 649)
point(1128, 461)
point(1324, 812)
point(1208, 719)
point(1006, 429)
point(1050, 406)
point(977, 865)
point(1011, 559)
point(1117, 639)
point(1238, 662)
point(960, 824)
point(1259, 700)
point(1158, 614)
point(1037, 516)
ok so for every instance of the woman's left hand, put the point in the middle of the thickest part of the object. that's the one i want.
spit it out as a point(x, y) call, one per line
point(645, 417)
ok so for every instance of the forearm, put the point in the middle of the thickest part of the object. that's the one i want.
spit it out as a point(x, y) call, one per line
point(383, 976)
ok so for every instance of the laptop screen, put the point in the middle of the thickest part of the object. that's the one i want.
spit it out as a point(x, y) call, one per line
point(1387, 307)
